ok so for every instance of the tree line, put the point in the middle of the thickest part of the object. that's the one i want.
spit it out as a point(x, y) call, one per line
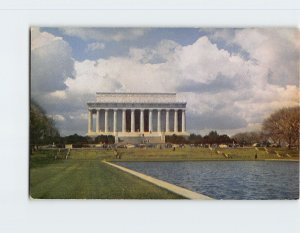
point(282, 126)
point(212, 138)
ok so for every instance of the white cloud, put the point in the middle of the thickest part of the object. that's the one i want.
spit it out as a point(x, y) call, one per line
point(275, 49)
point(95, 46)
point(203, 61)
point(57, 117)
point(41, 39)
point(105, 34)
point(58, 94)
point(51, 63)
point(161, 53)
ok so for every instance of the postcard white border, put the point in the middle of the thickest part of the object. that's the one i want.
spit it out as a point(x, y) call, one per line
point(19, 214)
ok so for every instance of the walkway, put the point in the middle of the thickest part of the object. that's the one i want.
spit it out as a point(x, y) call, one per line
point(171, 187)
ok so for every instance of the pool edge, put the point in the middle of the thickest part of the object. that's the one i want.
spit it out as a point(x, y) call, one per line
point(163, 184)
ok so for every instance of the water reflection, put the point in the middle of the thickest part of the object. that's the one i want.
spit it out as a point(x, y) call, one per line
point(228, 179)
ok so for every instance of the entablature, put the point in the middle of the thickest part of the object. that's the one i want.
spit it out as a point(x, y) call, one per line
point(154, 106)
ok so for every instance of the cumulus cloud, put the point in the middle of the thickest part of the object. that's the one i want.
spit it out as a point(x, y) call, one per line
point(215, 120)
point(51, 63)
point(220, 83)
point(160, 54)
point(57, 117)
point(225, 91)
point(105, 34)
point(95, 46)
point(275, 49)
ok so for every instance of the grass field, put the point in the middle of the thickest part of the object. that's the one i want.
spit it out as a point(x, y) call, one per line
point(84, 176)
point(194, 153)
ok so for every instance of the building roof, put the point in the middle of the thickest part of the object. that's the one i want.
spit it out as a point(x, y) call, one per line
point(135, 97)
point(137, 93)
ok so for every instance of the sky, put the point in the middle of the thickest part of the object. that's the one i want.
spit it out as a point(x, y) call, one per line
point(231, 78)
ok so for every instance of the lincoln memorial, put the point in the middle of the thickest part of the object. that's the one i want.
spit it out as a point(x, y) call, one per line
point(147, 116)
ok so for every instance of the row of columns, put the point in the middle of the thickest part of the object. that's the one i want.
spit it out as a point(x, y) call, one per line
point(90, 121)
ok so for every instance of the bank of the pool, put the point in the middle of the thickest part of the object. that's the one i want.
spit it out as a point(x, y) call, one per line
point(197, 160)
point(235, 180)
point(168, 186)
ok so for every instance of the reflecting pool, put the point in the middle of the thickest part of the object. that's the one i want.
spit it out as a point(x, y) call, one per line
point(228, 179)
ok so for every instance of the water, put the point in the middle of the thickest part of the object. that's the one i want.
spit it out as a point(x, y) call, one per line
point(250, 180)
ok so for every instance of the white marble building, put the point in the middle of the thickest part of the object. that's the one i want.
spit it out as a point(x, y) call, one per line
point(149, 116)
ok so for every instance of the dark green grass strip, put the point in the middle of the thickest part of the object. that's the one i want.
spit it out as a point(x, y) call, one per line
point(85, 179)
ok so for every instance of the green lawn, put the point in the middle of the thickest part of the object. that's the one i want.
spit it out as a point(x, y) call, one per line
point(84, 176)
point(192, 153)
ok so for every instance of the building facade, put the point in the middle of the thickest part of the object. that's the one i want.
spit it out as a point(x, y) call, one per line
point(150, 116)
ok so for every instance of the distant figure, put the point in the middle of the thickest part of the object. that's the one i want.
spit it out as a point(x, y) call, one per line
point(255, 156)
point(116, 153)
point(174, 148)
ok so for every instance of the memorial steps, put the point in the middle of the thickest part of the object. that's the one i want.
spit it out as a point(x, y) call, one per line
point(140, 140)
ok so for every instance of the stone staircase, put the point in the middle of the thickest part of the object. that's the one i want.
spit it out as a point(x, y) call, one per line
point(140, 140)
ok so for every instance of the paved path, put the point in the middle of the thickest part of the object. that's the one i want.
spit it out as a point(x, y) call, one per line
point(171, 187)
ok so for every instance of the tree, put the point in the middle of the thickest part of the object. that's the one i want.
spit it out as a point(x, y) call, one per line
point(283, 126)
point(42, 128)
point(248, 138)
point(76, 140)
point(176, 139)
point(106, 139)
point(195, 139)
point(211, 138)
point(224, 139)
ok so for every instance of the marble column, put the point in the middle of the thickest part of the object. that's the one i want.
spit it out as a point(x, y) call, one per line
point(132, 120)
point(115, 120)
point(98, 121)
point(106, 120)
point(150, 120)
point(90, 122)
point(142, 120)
point(183, 121)
point(176, 120)
point(167, 120)
point(158, 121)
point(124, 120)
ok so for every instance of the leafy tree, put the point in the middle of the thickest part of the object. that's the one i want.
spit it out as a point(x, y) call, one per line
point(283, 126)
point(42, 128)
point(111, 139)
point(224, 139)
point(176, 139)
point(76, 139)
point(213, 135)
point(101, 139)
point(195, 139)
point(211, 138)
point(106, 139)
